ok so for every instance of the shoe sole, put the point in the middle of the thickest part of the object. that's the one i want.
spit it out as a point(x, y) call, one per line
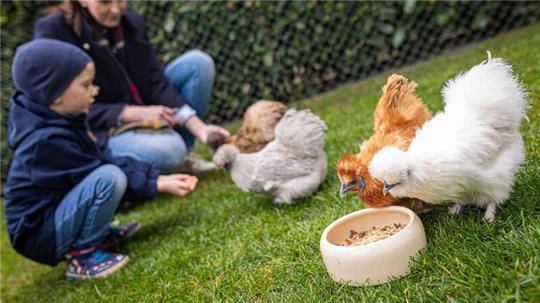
point(112, 270)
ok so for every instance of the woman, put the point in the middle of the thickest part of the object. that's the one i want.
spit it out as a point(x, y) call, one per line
point(134, 90)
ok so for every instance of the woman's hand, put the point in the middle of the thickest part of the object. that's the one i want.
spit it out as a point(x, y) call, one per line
point(201, 130)
point(134, 113)
point(210, 128)
point(177, 184)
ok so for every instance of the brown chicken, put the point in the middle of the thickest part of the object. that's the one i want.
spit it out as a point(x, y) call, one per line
point(397, 116)
point(260, 119)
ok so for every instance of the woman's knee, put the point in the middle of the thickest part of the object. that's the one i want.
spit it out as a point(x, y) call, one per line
point(165, 150)
point(202, 63)
point(172, 154)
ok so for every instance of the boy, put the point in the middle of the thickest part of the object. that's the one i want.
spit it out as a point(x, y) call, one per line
point(63, 190)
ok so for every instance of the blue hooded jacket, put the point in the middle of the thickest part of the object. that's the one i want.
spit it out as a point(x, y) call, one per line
point(53, 153)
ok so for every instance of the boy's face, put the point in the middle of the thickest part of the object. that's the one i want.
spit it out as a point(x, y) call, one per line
point(79, 95)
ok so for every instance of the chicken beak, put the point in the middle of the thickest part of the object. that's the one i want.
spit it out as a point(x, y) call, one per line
point(345, 189)
point(386, 188)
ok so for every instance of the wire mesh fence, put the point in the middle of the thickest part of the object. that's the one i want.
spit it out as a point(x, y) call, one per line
point(290, 50)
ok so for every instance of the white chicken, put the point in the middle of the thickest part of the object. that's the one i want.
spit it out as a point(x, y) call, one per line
point(468, 154)
point(290, 167)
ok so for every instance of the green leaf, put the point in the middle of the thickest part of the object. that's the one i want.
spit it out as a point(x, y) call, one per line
point(268, 59)
point(409, 6)
point(398, 38)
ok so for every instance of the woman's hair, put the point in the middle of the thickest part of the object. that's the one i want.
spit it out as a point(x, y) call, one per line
point(74, 14)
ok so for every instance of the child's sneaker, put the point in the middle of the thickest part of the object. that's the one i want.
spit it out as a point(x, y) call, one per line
point(93, 263)
point(116, 234)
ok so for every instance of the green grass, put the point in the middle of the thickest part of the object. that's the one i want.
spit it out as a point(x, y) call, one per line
point(220, 244)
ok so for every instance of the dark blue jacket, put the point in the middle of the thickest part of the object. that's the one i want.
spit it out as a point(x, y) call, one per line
point(142, 65)
point(53, 153)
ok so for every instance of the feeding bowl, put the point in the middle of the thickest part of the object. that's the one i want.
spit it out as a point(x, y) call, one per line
point(377, 262)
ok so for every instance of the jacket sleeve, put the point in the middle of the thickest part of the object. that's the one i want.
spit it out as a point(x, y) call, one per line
point(142, 177)
point(160, 91)
point(105, 115)
point(58, 162)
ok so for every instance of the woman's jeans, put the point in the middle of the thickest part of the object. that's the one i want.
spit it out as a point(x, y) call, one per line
point(192, 74)
point(83, 217)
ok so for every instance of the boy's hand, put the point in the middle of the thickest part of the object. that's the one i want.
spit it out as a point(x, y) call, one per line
point(177, 184)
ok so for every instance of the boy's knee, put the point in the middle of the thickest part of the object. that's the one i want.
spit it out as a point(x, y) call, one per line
point(111, 180)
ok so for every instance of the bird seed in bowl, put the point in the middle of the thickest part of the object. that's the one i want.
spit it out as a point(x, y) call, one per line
point(357, 238)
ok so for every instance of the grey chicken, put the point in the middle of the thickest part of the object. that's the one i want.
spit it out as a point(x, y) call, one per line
point(290, 167)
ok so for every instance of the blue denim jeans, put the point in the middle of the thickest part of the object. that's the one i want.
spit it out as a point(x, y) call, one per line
point(83, 217)
point(165, 148)
point(192, 74)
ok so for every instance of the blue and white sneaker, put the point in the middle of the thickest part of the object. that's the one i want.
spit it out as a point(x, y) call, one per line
point(93, 262)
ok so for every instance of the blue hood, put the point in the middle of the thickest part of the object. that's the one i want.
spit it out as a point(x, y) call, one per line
point(27, 116)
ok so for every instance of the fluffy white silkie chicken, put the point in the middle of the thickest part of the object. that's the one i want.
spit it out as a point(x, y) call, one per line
point(468, 154)
point(290, 167)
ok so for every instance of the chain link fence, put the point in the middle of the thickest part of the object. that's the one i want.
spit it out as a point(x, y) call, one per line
point(290, 50)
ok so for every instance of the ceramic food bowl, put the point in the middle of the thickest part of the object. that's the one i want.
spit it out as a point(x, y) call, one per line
point(377, 262)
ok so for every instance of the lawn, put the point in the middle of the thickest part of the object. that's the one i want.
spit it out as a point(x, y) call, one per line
point(221, 244)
